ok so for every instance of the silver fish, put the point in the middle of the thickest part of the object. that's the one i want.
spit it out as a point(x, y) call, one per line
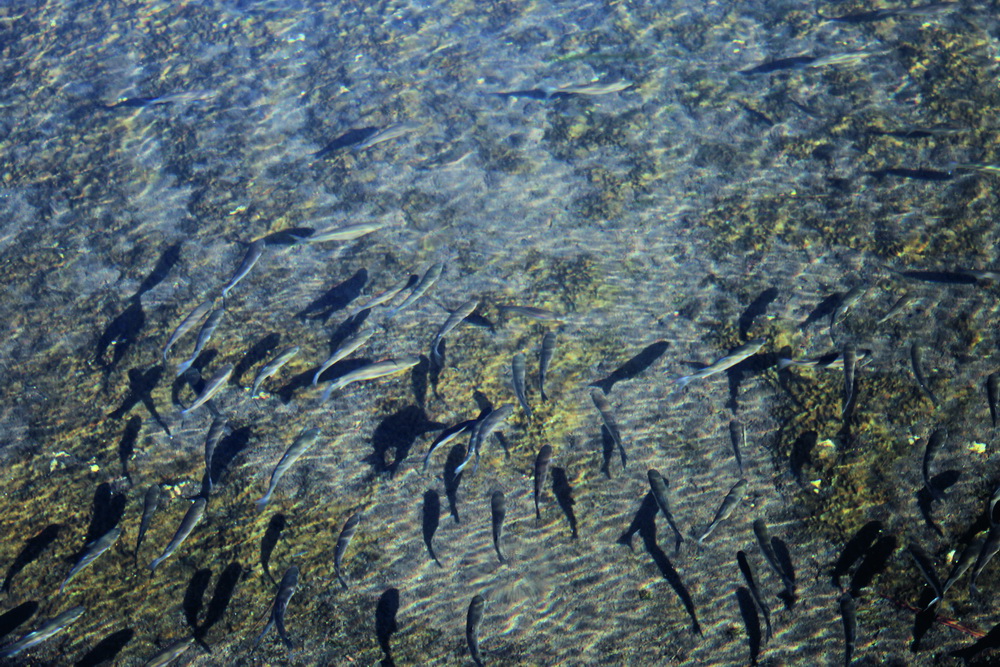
point(926, 567)
point(370, 372)
point(965, 560)
point(254, 252)
point(170, 653)
point(592, 88)
point(847, 302)
point(829, 361)
point(744, 351)
point(149, 505)
point(273, 366)
point(204, 335)
point(453, 321)
point(544, 359)
point(906, 301)
point(658, 487)
point(388, 133)
point(190, 520)
point(482, 431)
point(846, 58)
point(46, 630)
point(215, 433)
point(517, 370)
point(991, 545)
point(472, 621)
point(542, 462)
point(346, 533)
point(531, 312)
point(303, 443)
point(425, 283)
point(92, 552)
point(186, 325)
point(498, 511)
point(212, 387)
point(286, 589)
point(609, 421)
point(346, 347)
point(345, 233)
point(729, 504)
point(447, 436)
point(917, 363)
point(384, 297)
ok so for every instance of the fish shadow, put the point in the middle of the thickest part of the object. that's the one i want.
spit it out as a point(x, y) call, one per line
point(859, 544)
point(563, 493)
point(194, 596)
point(350, 138)
point(751, 620)
point(222, 595)
point(275, 527)
point(453, 477)
point(647, 530)
point(107, 649)
point(875, 561)
point(633, 367)
point(31, 550)
point(120, 334)
point(229, 448)
point(126, 446)
point(140, 390)
point(385, 623)
point(257, 353)
point(430, 517)
point(396, 434)
point(940, 483)
point(336, 298)
point(109, 508)
point(16, 617)
point(756, 308)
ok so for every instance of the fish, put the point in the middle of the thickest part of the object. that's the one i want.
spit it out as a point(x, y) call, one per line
point(907, 300)
point(215, 433)
point(389, 132)
point(517, 380)
point(965, 560)
point(212, 387)
point(958, 277)
point(992, 395)
point(850, 366)
point(286, 589)
point(344, 233)
point(658, 487)
point(424, 284)
point(917, 363)
point(204, 335)
point(738, 438)
point(934, 441)
point(932, 9)
point(346, 347)
point(346, 533)
point(849, 614)
point(794, 62)
point(384, 297)
point(454, 319)
point(766, 544)
point(991, 545)
point(829, 361)
point(531, 312)
point(254, 251)
point(472, 621)
point(186, 325)
point(173, 651)
point(847, 57)
point(273, 366)
point(914, 174)
point(92, 552)
point(590, 89)
point(544, 359)
point(498, 511)
point(751, 578)
point(742, 352)
point(926, 567)
point(482, 430)
point(729, 504)
point(847, 302)
point(170, 98)
point(303, 443)
point(370, 372)
point(602, 405)
point(542, 461)
point(447, 436)
point(149, 505)
point(46, 630)
point(190, 520)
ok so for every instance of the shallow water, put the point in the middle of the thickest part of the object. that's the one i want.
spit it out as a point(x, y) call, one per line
point(145, 146)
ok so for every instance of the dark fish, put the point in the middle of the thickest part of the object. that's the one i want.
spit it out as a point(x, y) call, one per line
point(542, 461)
point(926, 567)
point(991, 545)
point(602, 405)
point(92, 552)
point(387, 133)
point(658, 487)
point(188, 523)
point(738, 436)
point(751, 578)
point(729, 504)
point(385, 623)
point(795, 62)
point(286, 588)
point(875, 561)
point(46, 630)
point(751, 620)
point(934, 442)
point(430, 518)
point(204, 335)
point(253, 254)
point(498, 511)
point(275, 527)
point(215, 433)
point(346, 533)
point(766, 544)
point(544, 359)
point(472, 622)
point(847, 302)
point(829, 361)
point(305, 440)
point(915, 174)
point(923, 11)
point(992, 395)
point(149, 505)
point(849, 614)
point(371, 371)
point(964, 562)
point(917, 362)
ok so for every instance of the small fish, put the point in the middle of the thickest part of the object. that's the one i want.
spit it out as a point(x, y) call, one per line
point(991, 545)
point(542, 461)
point(425, 283)
point(795, 62)
point(186, 325)
point(540, 314)
point(544, 359)
point(472, 621)
point(93, 552)
point(385, 296)
point(286, 589)
point(456, 318)
point(149, 505)
point(965, 560)
point(766, 544)
point(829, 361)
point(850, 368)
point(992, 395)
point(371, 372)
point(170, 653)
point(272, 367)
point(346, 533)
point(204, 335)
point(303, 443)
point(215, 433)
point(46, 630)
point(346, 347)
point(744, 351)
point(498, 511)
point(483, 429)
point(517, 371)
point(738, 437)
point(658, 487)
point(849, 614)
point(729, 504)
point(751, 578)
point(188, 523)
point(926, 567)
point(906, 301)
point(590, 89)
point(914, 174)
point(848, 301)
point(447, 436)
point(212, 387)
point(602, 405)
point(345, 233)
point(917, 363)
point(846, 57)
point(934, 442)
point(387, 133)
point(253, 254)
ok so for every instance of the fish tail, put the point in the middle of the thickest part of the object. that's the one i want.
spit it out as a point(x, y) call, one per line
point(262, 503)
point(682, 382)
point(183, 366)
point(785, 363)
